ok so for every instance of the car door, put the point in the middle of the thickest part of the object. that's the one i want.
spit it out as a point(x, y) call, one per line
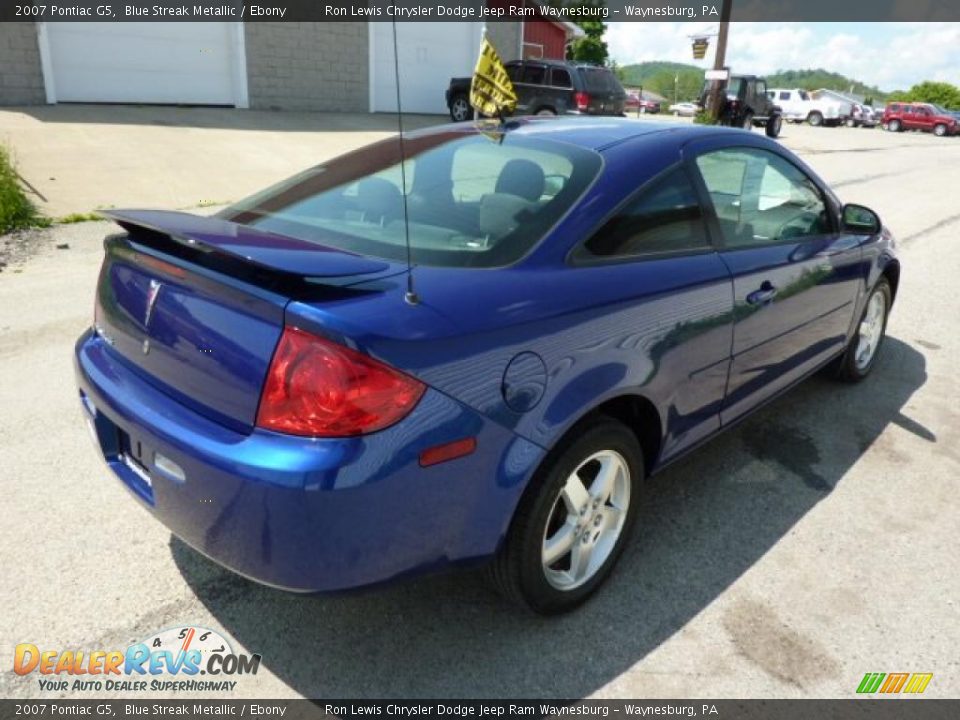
point(908, 118)
point(530, 89)
point(795, 278)
point(561, 89)
point(675, 318)
point(924, 118)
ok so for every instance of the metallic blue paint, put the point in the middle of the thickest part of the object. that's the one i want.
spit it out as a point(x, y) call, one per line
point(515, 356)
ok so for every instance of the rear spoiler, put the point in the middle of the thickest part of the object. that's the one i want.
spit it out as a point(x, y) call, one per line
point(217, 243)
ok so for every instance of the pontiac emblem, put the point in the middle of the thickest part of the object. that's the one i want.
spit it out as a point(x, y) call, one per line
point(152, 296)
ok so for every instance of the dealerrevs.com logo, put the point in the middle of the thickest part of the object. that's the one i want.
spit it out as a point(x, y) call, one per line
point(177, 659)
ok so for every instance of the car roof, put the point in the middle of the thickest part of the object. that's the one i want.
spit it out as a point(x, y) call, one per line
point(592, 133)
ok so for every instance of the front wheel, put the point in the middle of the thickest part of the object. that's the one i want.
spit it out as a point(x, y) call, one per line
point(574, 520)
point(460, 109)
point(546, 111)
point(851, 123)
point(894, 126)
point(861, 354)
point(940, 130)
point(774, 125)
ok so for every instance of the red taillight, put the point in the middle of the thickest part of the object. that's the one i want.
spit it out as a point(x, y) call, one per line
point(318, 388)
point(582, 100)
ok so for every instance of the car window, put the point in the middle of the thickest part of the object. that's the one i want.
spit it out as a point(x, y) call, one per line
point(761, 87)
point(534, 74)
point(514, 71)
point(803, 95)
point(784, 95)
point(467, 200)
point(666, 217)
point(595, 80)
point(560, 77)
point(760, 198)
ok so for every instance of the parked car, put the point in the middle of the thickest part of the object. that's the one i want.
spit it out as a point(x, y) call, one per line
point(587, 302)
point(863, 116)
point(746, 103)
point(649, 106)
point(550, 87)
point(684, 109)
point(816, 108)
point(919, 116)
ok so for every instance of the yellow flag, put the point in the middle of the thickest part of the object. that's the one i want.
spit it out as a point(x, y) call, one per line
point(491, 91)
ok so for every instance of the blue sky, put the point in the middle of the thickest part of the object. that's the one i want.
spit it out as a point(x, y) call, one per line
point(889, 55)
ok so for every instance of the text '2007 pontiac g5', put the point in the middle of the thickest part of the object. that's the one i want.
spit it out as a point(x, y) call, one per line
point(591, 299)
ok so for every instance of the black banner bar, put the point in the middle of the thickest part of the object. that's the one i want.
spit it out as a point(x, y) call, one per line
point(476, 10)
point(895, 708)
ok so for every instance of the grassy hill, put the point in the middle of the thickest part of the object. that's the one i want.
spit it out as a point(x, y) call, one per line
point(820, 78)
point(659, 77)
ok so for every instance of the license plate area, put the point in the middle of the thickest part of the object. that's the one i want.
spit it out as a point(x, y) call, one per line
point(133, 470)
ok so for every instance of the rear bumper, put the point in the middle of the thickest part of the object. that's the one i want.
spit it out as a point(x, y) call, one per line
point(305, 514)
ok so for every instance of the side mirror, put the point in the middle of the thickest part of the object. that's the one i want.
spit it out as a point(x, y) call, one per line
point(860, 220)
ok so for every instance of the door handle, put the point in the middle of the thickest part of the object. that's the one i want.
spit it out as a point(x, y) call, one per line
point(764, 295)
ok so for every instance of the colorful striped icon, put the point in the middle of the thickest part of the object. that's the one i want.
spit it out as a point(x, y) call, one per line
point(894, 683)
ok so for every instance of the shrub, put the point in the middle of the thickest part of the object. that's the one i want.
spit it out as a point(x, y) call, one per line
point(16, 210)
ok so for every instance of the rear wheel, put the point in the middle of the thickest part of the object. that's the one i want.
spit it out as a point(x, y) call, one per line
point(460, 108)
point(861, 354)
point(815, 118)
point(851, 123)
point(747, 123)
point(546, 111)
point(573, 523)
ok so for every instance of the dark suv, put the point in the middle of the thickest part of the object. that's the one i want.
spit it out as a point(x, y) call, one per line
point(745, 103)
point(550, 87)
point(899, 116)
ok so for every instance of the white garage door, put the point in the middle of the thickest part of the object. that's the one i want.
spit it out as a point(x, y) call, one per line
point(430, 54)
point(191, 63)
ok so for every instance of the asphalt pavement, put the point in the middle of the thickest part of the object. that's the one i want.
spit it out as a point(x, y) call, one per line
point(811, 544)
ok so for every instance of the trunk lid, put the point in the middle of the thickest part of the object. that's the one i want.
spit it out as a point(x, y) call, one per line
point(196, 305)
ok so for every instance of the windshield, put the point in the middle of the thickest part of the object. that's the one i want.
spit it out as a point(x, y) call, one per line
point(472, 200)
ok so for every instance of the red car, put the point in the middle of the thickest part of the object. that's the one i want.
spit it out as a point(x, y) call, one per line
point(919, 116)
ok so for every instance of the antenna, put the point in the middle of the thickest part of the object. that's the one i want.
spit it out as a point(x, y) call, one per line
point(410, 296)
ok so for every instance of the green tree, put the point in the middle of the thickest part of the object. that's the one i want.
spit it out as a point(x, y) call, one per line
point(591, 48)
point(939, 93)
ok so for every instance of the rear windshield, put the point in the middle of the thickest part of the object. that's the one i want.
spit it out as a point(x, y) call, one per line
point(472, 200)
point(597, 80)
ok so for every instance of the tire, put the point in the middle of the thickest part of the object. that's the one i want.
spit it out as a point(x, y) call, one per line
point(545, 111)
point(940, 130)
point(774, 125)
point(521, 571)
point(815, 118)
point(894, 126)
point(853, 366)
point(851, 123)
point(460, 110)
point(747, 123)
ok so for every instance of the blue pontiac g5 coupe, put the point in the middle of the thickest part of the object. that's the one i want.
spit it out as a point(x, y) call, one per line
point(590, 300)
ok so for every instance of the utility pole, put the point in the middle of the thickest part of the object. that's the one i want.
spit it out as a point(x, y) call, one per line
point(719, 60)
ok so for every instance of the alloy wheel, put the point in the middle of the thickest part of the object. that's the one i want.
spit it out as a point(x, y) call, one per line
point(871, 330)
point(460, 109)
point(586, 520)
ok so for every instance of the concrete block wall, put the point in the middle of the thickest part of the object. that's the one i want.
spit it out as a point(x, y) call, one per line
point(308, 66)
point(506, 37)
point(21, 79)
